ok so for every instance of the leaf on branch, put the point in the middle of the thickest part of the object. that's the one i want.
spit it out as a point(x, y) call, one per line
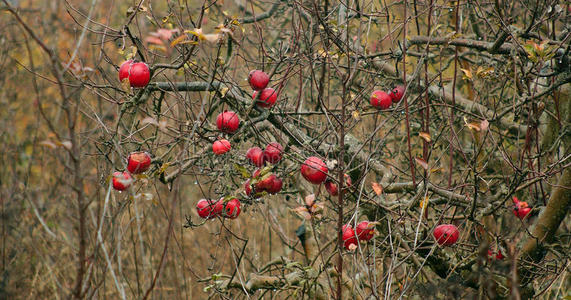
point(425, 136)
point(243, 171)
point(467, 74)
point(424, 202)
point(356, 115)
point(310, 200)
point(302, 212)
point(421, 162)
point(48, 143)
point(377, 188)
point(484, 125)
point(472, 125)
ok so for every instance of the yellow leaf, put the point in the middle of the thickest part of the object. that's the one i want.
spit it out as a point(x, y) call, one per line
point(467, 73)
point(125, 85)
point(178, 40)
point(377, 188)
point(356, 115)
point(424, 202)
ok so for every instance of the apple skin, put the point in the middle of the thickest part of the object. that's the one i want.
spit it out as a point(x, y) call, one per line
point(380, 100)
point(365, 231)
point(228, 121)
point(138, 162)
point(446, 234)
point(122, 180)
point(397, 93)
point(255, 156)
point(221, 146)
point(348, 236)
point(138, 73)
point(232, 209)
point(273, 152)
point(258, 80)
point(314, 170)
point(267, 99)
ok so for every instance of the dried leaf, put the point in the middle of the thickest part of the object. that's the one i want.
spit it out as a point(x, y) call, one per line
point(467, 73)
point(377, 188)
point(48, 143)
point(154, 40)
point(425, 136)
point(179, 40)
point(474, 126)
point(302, 212)
point(484, 125)
point(356, 115)
point(424, 202)
point(66, 144)
point(125, 85)
point(310, 200)
point(421, 162)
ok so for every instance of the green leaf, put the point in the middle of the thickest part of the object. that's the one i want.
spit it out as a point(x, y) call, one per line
point(243, 171)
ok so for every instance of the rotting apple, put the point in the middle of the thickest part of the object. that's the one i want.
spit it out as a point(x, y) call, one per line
point(138, 162)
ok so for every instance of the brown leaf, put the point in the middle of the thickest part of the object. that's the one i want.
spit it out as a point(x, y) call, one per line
point(484, 125)
point(425, 136)
point(302, 212)
point(310, 200)
point(377, 188)
point(421, 162)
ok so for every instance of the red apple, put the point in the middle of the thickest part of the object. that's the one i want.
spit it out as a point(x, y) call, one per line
point(232, 209)
point(204, 208)
point(276, 186)
point(397, 93)
point(138, 162)
point(122, 180)
point(218, 207)
point(258, 80)
point(138, 73)
point(498, 255)
point(227, 121)
point(124, 70)
point(314, 170)
point(520, 209)
point(256, 156)
point(446, 234)
point(349, 237)
point(365, 230)
point(221, 146)
point(268, 98)
point(273, 152)
point(380, 100)
point(332, 188)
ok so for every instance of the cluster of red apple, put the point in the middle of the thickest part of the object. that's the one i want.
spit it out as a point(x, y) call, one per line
point(259, 81)
point(228, 122)
point(363, 232)
point(383, 100)
point(137, 162)
point(267, 182)
point(207, 209)
point(138, 73)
